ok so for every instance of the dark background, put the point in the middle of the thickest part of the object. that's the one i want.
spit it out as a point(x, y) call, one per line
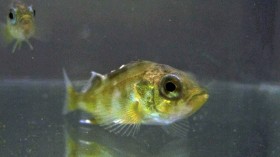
point(233, 40)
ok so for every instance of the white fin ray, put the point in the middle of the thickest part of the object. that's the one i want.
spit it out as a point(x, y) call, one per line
point(29, 44)
point(122, 129)
point(119, 129)
point(95, 77)
point(177, 129)
point(127, 130)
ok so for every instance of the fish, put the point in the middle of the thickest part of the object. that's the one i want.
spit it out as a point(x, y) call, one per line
point(138, 93)
point(19, 26)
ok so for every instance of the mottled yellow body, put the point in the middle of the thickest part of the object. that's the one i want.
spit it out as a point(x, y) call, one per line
point(141, 92)
point(20, 26)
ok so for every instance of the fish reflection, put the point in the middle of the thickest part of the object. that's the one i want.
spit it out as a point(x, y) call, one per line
point(93, 141)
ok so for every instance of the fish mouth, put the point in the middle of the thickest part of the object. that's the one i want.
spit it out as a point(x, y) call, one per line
point(26, 25)
point(25, 19)
point(200, 96)
point(197, 100)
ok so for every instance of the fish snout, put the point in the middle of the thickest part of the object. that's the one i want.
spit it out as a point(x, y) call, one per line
point(197, 91)
point(26, 20)
point(203, 94)
point(197, 99)
point(26, 24)
point(198, 96)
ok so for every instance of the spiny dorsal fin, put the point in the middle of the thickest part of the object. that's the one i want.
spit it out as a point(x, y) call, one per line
point(125, 67)
point(94, 81)
point(115, 73)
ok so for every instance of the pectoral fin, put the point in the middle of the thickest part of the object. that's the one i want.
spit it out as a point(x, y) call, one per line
point(6, 37)
point(177, 129)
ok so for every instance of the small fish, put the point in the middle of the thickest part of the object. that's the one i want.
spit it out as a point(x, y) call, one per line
point(20, 26)
point(141, 92)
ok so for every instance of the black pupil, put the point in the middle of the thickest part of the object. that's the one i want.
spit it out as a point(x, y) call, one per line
point(170, 87)
point(34, 12)
point(11, 16)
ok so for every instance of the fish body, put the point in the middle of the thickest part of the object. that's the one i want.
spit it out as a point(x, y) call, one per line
point(20, 26)
point(140, 92)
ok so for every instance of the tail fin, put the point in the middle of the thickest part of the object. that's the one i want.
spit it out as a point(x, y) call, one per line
point(71, 96)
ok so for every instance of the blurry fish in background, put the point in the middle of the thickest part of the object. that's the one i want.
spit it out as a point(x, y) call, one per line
point(20, 25)
point(140, 92)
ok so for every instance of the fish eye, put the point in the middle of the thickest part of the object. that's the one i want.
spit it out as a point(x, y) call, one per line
point(12, 16)
point(171, 87)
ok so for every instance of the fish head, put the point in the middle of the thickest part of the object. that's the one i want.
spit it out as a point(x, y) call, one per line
point(176, 95)
point(21, 19)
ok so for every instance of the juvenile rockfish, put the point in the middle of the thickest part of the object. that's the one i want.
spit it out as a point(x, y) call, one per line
point(20, 26)
point(140, 92)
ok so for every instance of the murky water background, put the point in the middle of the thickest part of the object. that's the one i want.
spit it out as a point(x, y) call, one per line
point(238, 120)
point(231, 46)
